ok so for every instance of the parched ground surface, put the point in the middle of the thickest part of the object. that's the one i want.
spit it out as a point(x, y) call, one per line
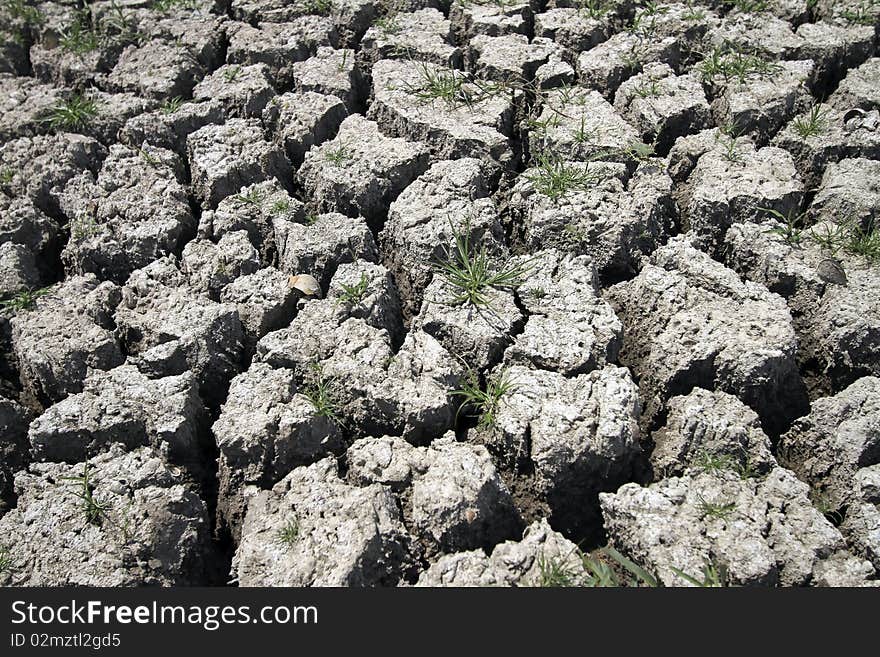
point(411, 292)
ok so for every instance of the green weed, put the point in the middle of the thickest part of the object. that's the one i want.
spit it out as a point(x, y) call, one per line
point(556, 573)
point(231, 73)
point(319, 7)
point(470, 274)
point(7, 563)
point(280, 206)
point(606, 568)
point(289, 533)
point(388, 25)
point(445, 85)
point(483, 403)
point(863, 14)
point(354, 294)
point(648, 90)
point(792, 229)
point(729, 146)
point(747, 6)
point(73, 114)
point(166, 6)
point(693, 13)
point(25, 300)
point(80, 37)
point(731, 64)
point(721, 510)
point(712, 461)
point(253, 197)
point(850, 237)
point(93, 510)
point(583, 134)
point(553, 177)
point(595, 9)
point(338, 156)
point(171, 105)
point(812, 124)
point(19, 10)
point(713, 575)
point(317, 391)
point(865, 243)
point(83, 227)
point(828, 236)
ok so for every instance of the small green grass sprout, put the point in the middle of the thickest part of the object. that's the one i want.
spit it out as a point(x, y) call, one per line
point(483, 403)
point(7, 563)
point(280, 206)
point(553, 177)
point(339, 155)
point(24, 300)
point(792, 228)
point(72, 114)
point(354, 294)
point(721, 510)
point(811, 124)
point(288, 534)
point(470, 273)
point(253, 197)
point(713, 575)
point(317, 391)
point(171, 105)
point(556, 573)
point(93, 510)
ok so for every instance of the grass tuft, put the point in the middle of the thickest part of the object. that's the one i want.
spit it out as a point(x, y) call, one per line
point(166, 6)
point(865, 13)
point(469, 271)
point(354, 294)
point(83, 227)
point(7, 563)
point(338, 156)
point(80, 37)
point(792, 229)
point(748, 6)
point(444, 85)
point(733, 64)
point(317, 391)
point(319, 7)
point(483, 403)
point(288, 534)
point(849, 237)
point(253, 197)
point(93, 510)
point(556, 573)
point(865, 243)
point(605, 568)
point(713, 462)
point(553, 177)
point(73, 114)
point(171, 105)
point(648, 90)
point(812, 124)
point(713, 575)
point(389, 25)
point(280, 206)
point(721, 510)
point(231, 73)
point(25, 300)
point(595, 9)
